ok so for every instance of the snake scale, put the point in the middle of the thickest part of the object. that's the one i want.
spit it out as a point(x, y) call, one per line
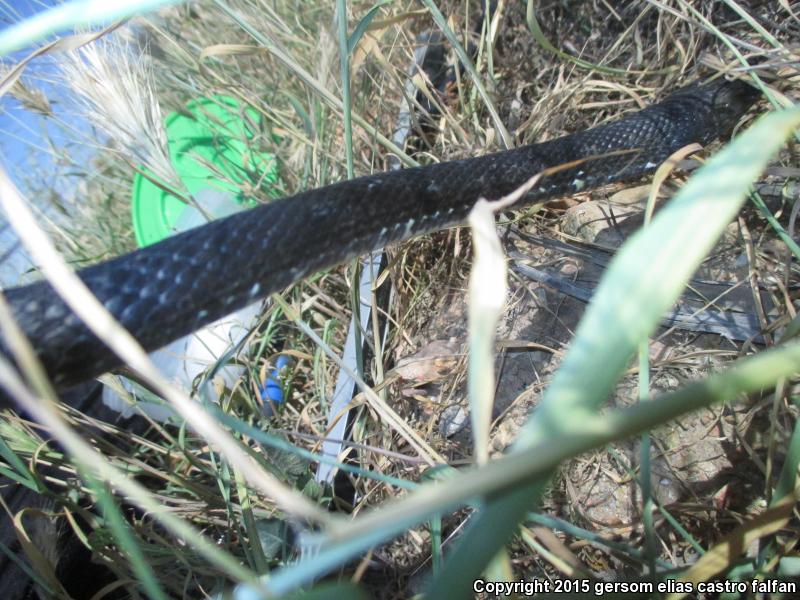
point(177, 286)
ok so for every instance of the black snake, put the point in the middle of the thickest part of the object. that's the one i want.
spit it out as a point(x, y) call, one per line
point(168, 290)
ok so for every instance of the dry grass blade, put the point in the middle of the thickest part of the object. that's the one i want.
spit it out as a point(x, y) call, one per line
point(100, 321)
point(730, 548)
point(116, 85)
point(40, 563)
point(45, 412)
point(441, 22)
point(508, 474)
point(487, 296)
point(381, 407)
point(329, 98)
point(66, 44)
point(642, 281)
point(207, 522)
point(663, 172)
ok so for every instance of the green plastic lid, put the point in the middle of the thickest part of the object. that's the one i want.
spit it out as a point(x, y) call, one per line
point(211, 146)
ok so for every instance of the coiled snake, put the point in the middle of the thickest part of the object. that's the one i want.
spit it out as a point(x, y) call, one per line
point(170, 289)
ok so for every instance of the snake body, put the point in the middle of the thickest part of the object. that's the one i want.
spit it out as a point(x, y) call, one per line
point(170, 289)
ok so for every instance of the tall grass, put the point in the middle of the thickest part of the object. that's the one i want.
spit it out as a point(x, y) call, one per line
point(225, 501)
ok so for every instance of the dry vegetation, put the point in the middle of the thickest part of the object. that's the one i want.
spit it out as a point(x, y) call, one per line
point(710, 472)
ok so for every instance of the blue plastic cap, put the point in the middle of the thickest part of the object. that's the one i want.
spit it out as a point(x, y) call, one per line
point(273, 389)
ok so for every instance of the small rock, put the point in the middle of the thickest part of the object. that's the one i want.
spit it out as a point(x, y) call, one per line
point(585, 221)
point(454, 418)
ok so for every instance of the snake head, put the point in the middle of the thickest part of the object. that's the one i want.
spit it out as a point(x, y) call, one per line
point(712, 108)
point(729, 100)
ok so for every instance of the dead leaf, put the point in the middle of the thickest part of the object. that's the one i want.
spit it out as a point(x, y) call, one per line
point(433, 362)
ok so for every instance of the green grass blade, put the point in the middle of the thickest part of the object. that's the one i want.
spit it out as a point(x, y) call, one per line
point(583, 534)
point(17, 559)
point(125, 538)
point(779, 229)
point(642, 282)
point(511, 474)
point(644, 460)
point(344, 62)
point(441, 23)
point(788, 477)
point(541, 39)
point(734, 49)
point(363, 24)
point(324, 94)
point(278, 443)
point(757, 27)
point(649, 273)
point(254, 547)
point(18, 471)
point(83, 13)
point(685, 535)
